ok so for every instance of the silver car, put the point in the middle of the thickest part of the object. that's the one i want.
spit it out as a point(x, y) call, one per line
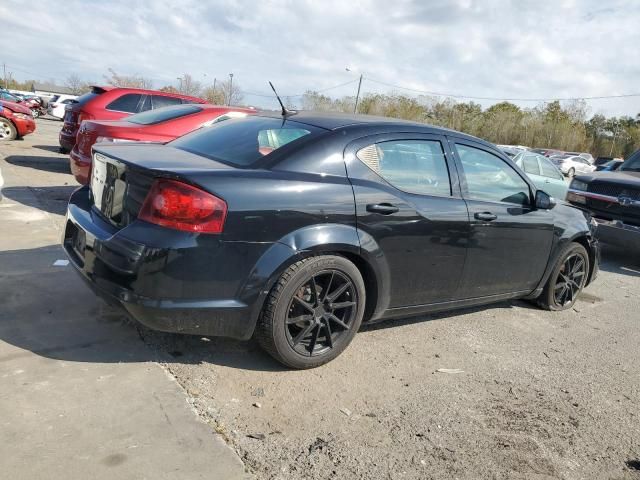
point(569, 165)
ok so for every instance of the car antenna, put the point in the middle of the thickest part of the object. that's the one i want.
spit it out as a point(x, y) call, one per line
point(285, 112)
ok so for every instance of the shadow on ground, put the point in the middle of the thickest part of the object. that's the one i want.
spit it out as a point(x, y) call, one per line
point(48, 148)
point(621, 261)
point(49, 199)
point(49, 311)
point(46, 164)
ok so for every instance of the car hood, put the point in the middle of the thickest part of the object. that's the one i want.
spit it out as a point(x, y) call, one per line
point(631, 179)
point(15, 107)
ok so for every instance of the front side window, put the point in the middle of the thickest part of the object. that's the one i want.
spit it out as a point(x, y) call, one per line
point(243, 141)
point(126, 103)
point(413, 166)
point(490, 179)
point(548, 169)
point(632, 164)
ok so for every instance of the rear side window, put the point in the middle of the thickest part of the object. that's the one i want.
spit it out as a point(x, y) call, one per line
point(490, 179)
point(242, 142)
point(126, 103)
point(55, 98)
point(413, 166)
point(160, 101)
point(163, 114)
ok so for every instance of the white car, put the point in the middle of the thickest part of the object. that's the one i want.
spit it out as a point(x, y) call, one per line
point(572, 164)
point(58, 103)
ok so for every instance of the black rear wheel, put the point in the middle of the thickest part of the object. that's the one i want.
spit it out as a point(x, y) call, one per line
point(567, 279)
point(313, 312)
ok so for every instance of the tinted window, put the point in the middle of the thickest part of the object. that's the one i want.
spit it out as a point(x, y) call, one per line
point(632, 164)
point(126, 103)
point(414, 166)
point(548, 169)
point(243, 141)
point(163, 114)
point(489, 178)
point(54, 98)
point(530, 164)
point(160, 101)
point(68, 101)
point(82, 99)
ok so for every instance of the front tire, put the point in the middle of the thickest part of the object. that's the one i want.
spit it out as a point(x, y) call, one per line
point(313, 312)
point(566, 280)
point(7, 130)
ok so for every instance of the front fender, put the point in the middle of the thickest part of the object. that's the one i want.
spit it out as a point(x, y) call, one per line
point(315, 240)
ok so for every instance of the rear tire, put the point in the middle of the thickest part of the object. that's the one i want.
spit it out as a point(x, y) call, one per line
point(7, 130)
point(566, 280)
point(313, 312)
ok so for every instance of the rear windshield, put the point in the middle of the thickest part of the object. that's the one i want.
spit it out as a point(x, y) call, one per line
point(82, 99)
point(243, 141)
point(163, 114)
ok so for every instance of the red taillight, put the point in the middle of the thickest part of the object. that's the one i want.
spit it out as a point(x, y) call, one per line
point(180, 206)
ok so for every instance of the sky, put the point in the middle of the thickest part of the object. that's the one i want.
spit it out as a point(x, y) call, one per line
point(498, 49)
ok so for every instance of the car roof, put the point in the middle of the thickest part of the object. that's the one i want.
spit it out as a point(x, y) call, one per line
point(335, 121)
point(108, 88)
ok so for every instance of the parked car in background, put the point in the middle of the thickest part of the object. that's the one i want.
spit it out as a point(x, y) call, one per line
point(57, 104)
point(16, 120)
point(161, 125)
point(613, 198)
point(609, 166)
point(9, 97)
point(588, 157)
point(113, 103)
point(295, 229)
point(547, 152)
point(544, 174)
point(569, 165)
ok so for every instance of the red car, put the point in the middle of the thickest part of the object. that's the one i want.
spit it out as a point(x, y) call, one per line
point(162, 125)
point(15, 121)
point(113, 103)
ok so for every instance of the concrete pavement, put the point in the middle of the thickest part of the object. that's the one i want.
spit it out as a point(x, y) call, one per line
point(80, 395)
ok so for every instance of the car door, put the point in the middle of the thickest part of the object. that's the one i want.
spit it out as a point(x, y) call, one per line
point(554, 183)
point(408, 203)
point(510, 239)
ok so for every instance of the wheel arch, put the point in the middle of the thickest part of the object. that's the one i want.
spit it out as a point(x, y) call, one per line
point(327, 239)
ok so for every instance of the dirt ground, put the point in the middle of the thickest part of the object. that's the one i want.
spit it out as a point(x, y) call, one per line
point(525, 394)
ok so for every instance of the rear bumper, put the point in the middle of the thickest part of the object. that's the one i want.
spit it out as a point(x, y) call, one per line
point(80, 166)
point(618, 233)
point(162, 286)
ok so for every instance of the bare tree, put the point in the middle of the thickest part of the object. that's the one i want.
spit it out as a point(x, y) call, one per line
point(213, 95)
point(132, 81)
point(235, 94)
point(189, 86)
point(76, 84)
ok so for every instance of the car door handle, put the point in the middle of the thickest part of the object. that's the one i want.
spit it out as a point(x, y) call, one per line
point(485, 216)
point(382, 208)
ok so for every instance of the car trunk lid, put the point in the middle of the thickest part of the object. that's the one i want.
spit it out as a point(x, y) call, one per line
point(122, 176)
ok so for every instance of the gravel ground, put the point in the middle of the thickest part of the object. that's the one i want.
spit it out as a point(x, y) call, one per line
point(537, 394)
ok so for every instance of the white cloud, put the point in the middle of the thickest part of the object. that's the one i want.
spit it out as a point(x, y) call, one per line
point(491, 48)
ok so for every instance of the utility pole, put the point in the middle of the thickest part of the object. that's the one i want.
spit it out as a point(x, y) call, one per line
point(230, 88)
point(4, 68)
point(180, 79)
point(355, 108)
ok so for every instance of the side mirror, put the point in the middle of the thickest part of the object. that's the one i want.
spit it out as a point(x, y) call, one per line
point(544, 201)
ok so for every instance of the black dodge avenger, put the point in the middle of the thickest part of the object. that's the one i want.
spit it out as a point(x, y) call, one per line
point(297, 228)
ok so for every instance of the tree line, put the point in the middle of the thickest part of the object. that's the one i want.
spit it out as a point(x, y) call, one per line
point(562, 125)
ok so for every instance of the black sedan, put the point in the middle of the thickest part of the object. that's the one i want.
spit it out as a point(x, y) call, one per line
point(297, 228)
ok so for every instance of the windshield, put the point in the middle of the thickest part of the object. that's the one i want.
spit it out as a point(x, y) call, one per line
point(244, 141)
point(163, 114)
point(632, 164)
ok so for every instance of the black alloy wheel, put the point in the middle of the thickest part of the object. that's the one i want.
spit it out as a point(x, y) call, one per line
point(321, 311)
point(567, 279)
point(570, 280)
point(313, 311)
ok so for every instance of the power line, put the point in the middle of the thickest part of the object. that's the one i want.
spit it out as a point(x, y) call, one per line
point(301, 94)
point(472, 97)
